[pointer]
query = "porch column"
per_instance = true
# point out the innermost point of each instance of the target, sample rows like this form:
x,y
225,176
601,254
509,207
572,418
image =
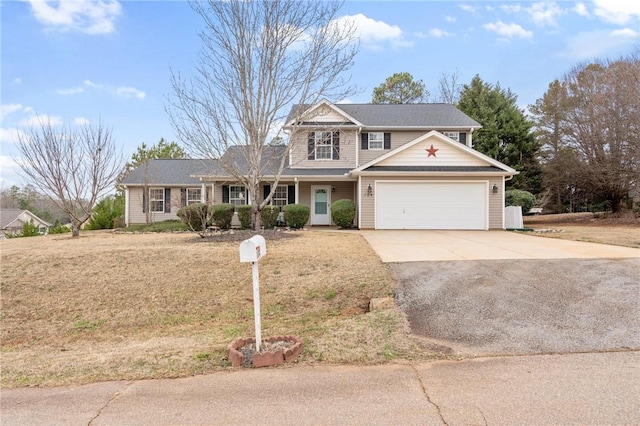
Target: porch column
x,y
213,193
126,206
203,193
295,180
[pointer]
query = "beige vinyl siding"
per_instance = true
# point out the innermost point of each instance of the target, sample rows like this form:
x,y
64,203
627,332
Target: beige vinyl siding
x,y
446,155
397,140
348,146
495,200
136,213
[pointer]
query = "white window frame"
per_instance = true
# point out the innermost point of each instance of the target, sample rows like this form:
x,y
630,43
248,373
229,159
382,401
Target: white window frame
x,y
452,135
191,199
235,192
154,202
278,199
378,141
321,140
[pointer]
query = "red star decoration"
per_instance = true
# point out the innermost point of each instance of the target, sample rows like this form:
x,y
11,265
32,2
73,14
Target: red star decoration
x,y
431,151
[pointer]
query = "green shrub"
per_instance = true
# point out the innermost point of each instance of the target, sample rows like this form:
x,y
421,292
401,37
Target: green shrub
x,y
517,197
343,212
105,213
244,216
29,229
222,215
59,228
195,216
269,216
296,215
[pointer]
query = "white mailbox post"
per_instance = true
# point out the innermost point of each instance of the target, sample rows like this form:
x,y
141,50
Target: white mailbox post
x,y
252,250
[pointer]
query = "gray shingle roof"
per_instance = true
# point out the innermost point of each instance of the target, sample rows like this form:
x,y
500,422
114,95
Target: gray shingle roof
x,y
171,172
405,115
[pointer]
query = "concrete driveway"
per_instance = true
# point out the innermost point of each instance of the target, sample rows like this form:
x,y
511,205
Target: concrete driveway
x,y
488,293
427,246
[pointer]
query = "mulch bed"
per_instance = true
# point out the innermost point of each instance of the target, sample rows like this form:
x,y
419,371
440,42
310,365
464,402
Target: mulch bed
x,y
238,235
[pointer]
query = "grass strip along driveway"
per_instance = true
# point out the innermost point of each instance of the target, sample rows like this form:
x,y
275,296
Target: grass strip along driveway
x,y
109,306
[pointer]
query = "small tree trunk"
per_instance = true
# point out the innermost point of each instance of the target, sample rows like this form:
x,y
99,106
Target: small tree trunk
x,y
75,228
256,219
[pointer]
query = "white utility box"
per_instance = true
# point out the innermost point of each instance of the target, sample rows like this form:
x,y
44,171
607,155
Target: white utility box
x,y
253,249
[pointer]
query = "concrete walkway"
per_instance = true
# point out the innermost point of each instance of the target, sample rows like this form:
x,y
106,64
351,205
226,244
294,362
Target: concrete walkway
x,y
425,246
585,389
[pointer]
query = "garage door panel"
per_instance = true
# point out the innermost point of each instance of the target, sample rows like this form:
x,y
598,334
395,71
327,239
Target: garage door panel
x,y
431,205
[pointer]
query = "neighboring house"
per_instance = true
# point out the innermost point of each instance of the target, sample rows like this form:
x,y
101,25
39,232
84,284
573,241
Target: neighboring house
x,y
12,221
408,166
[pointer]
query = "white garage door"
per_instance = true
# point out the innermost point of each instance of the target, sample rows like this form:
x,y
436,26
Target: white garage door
x,y
431,205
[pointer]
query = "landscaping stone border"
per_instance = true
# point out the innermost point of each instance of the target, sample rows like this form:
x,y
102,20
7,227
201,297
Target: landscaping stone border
x,y
265,359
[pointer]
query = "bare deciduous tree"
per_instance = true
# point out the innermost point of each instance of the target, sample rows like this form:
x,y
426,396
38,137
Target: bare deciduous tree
x,y
449,88
258,59
73,167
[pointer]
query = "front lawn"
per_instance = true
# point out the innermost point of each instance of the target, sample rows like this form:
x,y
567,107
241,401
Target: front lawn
x,y
108,306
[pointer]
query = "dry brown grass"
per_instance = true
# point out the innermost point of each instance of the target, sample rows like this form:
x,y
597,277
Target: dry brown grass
x,y
620,231
111,306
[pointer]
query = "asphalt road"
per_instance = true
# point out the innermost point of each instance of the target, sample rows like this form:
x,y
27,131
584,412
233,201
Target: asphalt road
x,y
489,307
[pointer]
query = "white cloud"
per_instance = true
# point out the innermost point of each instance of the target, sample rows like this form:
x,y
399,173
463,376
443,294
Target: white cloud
x,y
7,109
373,34
16,81
508,30
450,19
438,33
581,9
545,13
10,135
625,33
617,11
90,83
81,121
122,91
511,8
86,16
37,120
598,44
72,91
468,8
129,92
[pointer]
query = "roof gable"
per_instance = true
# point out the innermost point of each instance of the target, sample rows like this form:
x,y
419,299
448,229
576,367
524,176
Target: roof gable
x,y
435,150
323,112
13,217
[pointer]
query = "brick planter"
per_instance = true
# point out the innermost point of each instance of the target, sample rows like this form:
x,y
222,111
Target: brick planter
x,y
265,359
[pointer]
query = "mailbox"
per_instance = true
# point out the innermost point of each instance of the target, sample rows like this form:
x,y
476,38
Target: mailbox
x,y
253,249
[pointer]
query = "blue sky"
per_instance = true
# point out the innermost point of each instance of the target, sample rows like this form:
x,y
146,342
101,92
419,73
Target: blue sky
x,y
78,61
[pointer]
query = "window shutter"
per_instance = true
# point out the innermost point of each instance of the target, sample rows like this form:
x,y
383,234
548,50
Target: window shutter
x,y
265,191
311,146
387,141
145,200
291,194
336,145
183,197
463,138
364,141
167,200
225,193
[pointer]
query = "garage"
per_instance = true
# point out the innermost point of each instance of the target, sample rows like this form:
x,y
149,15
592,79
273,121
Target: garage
x,y
431,205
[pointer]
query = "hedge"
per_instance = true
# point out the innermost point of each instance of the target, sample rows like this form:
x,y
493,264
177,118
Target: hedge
x,y
296,215
343,212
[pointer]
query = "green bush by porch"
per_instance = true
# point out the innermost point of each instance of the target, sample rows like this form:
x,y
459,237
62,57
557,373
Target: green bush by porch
x,y
296,215
343,212
244,216
222,215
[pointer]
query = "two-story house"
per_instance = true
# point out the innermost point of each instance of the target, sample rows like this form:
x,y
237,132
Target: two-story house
x,y
409,166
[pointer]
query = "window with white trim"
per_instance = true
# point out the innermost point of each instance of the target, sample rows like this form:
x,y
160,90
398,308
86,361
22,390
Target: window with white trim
x,y
156,200
194,195
453,135
324,145
237,195
376,141
280,196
